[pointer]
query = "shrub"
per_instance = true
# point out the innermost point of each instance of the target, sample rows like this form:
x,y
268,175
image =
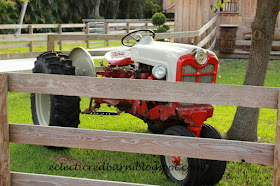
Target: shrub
x,y
166,27
158,19
160,30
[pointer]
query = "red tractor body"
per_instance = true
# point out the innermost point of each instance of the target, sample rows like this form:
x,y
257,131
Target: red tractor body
x,y
163,113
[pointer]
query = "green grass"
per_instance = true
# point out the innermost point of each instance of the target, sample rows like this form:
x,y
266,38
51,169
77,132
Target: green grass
x,y
42,160
65,47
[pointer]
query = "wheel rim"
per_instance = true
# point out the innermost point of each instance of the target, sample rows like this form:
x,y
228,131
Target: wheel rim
x,y
43,108
179,172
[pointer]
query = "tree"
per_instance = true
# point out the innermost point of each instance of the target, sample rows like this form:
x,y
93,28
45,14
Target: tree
x,y
95,11
21,16
244,126
158,19
115,8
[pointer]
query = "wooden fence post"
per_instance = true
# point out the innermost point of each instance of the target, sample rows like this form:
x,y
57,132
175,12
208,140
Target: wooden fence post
x,y
50,43
195,41
30,29
87,32
60,32
208,43
276,175
127,28
107,29
5,175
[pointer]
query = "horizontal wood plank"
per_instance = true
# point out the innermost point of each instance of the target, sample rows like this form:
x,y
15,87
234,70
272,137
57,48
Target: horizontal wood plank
x,y
73,25
207,38
13,46
12,26
208,25
185,92
212,46
248,42
176,34
119,37
27,179
23,37
202,148
88,37
15,26
19,55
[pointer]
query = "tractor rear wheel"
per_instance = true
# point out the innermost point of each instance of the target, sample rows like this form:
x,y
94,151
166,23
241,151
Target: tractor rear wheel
x,y
182,170
55,110
214,169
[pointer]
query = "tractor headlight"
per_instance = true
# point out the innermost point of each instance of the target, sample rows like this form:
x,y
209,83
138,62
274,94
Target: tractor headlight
x,y
159,71
201,57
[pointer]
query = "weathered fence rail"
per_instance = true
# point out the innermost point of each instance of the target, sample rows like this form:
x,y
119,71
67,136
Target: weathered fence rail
x,y
249,96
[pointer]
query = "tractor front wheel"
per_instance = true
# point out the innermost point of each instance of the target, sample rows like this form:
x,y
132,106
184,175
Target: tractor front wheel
x,y
182,170
55,110
214,169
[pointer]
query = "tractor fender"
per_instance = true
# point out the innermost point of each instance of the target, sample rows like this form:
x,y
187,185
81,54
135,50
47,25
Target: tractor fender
x,y
83,62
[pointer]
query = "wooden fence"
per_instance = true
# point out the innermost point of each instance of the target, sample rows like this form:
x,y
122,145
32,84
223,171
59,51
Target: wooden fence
x,y
193,34
110,27
226,150
52,39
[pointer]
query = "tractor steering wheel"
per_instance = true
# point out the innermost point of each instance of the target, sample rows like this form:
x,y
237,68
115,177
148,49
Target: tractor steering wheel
x,y
136,36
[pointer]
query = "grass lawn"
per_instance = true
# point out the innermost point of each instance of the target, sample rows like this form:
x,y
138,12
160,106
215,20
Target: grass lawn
x,y
66,47
41,160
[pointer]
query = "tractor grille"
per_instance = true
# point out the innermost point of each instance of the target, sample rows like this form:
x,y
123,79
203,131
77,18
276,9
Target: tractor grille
x,y
203,78
207,78
193,76
189,69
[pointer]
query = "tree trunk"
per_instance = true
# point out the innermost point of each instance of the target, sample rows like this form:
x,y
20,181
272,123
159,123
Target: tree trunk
x,y
129,3
115,10
95,11
244,126
21,16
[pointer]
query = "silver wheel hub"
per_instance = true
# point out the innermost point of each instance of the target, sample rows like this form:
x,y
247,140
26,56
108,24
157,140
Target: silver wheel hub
x,y
43,108
179,172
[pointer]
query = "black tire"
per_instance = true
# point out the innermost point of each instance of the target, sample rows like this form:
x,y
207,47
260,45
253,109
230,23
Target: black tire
x,y
214,169
190,175
55,110
155,128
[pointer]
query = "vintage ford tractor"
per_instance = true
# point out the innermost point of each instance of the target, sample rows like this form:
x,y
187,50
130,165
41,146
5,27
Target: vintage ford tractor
x,y
143,59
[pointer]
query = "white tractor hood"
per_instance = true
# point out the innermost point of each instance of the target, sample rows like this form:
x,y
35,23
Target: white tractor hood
x,y
151,52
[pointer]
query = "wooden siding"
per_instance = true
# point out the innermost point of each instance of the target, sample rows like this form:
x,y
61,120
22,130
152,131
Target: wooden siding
x,y
191,15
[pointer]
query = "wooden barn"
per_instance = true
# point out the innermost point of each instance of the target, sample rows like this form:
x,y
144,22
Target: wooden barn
x,y
191,15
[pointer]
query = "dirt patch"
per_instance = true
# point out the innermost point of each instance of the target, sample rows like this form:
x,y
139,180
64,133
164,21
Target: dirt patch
x,y
66,160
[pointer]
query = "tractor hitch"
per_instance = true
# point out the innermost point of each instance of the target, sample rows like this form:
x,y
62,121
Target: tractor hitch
x,y
94,112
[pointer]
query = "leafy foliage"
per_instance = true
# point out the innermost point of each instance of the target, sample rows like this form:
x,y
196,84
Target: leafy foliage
x,y
8,12
219,3
158,19
72,11
166,27
160,30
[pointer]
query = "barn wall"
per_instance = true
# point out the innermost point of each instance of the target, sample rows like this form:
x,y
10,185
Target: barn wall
x,y
192,15
244,17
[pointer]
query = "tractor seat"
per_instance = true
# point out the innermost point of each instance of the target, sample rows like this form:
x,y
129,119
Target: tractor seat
x,y
119,58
